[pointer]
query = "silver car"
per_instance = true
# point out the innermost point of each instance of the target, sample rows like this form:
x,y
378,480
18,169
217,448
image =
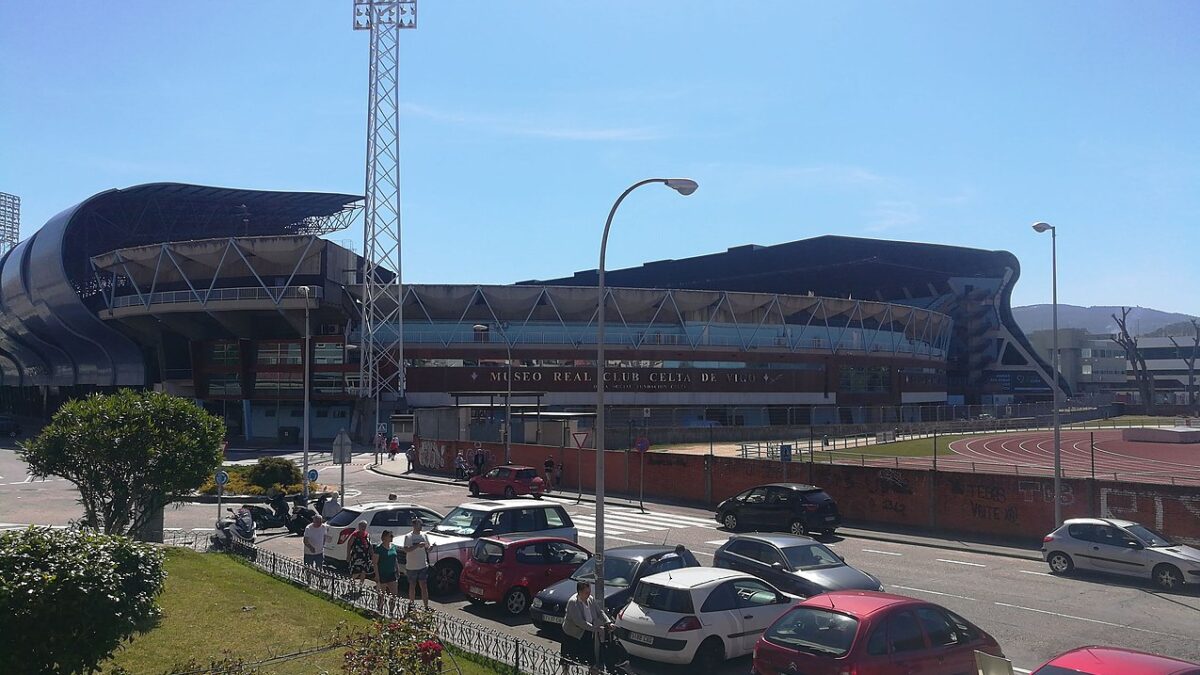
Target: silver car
x,y
1121,547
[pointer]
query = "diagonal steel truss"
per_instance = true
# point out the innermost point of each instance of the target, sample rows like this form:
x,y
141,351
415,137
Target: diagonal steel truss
x,y
382,358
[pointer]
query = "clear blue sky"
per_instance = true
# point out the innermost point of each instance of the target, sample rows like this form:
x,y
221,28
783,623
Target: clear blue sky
x,y
957,123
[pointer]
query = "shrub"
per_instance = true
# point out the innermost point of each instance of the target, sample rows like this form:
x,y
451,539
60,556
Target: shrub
x,y
270,471
407,645
69,598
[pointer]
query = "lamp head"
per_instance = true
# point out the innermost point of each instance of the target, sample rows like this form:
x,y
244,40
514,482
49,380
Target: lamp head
x,y
479,328
1042,227
684,186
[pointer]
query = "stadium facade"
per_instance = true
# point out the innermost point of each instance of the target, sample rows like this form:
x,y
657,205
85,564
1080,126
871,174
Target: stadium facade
x,y
203,292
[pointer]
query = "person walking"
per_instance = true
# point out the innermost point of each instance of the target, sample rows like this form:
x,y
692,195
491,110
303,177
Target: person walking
x,y
416,562
460,466
314,542
358,554
393,448
549,466
479,459
386,558
411,455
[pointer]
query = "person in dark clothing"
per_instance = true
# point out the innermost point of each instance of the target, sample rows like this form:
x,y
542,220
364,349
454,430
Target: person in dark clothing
x,y
549,466
479,460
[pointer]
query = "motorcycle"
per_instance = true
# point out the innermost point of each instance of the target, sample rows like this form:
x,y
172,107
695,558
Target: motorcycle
x,y
266,519
300,518
239,524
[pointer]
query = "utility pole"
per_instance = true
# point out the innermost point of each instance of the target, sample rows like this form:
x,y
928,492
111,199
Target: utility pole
x,y
381,369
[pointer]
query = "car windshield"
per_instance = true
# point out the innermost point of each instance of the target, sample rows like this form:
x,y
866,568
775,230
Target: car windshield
x,y
814,630
1149,536
663,598
618,572
461,521
808,556
344,518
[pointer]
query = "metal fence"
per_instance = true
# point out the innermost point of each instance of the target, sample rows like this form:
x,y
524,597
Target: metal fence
x,y
520,655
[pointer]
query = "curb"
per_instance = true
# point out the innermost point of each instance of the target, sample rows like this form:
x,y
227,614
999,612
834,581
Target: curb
x,y
871,535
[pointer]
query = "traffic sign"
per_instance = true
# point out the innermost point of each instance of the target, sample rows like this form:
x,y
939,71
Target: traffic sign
x,y
312,474
222,477
342,447
580,438
380,429
785,452
642,444
645,413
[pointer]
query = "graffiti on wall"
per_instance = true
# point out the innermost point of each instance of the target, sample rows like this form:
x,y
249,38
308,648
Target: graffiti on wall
x,y
1033,490
431,454
1132,504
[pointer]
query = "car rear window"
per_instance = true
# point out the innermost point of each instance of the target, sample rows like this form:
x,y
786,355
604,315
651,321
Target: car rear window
x,y
814,630
526,474
488,552
344,518
662,598
817,496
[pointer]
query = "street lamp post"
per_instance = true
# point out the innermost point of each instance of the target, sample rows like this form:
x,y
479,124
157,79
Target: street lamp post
x,y
685,187
507,428
1042,227
306,292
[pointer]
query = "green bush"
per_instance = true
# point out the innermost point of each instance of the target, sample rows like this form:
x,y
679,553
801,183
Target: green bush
x,y
270,471
69,598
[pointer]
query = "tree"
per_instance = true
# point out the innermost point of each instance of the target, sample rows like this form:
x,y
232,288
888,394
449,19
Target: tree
x,y
1141,374
1192,398
69,598
129,453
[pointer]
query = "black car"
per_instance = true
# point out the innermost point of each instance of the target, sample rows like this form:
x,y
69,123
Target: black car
x,y
623,567
797,565
9,427
791,507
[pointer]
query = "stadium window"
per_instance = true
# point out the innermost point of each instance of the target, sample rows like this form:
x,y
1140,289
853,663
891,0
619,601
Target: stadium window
x,y
865,379
223,354
327,383
279,354
340,413
329,354
1087,369
224,384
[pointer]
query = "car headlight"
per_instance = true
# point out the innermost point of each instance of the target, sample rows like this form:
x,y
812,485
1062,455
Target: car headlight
x,y
537,602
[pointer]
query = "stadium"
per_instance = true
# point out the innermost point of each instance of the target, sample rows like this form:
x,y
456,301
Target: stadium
x,y
205,292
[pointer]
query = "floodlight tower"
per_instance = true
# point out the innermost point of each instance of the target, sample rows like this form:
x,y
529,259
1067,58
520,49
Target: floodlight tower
x,y
382,350
10,221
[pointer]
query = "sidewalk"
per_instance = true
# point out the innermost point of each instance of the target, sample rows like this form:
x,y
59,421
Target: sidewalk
x,y
397,469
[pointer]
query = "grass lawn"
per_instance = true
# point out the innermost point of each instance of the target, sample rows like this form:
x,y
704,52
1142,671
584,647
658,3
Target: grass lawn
x,y
1127,420
202,614
917,447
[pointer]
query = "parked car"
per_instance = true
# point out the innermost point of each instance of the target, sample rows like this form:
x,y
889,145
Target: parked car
x,y
1121,547
623,567
453,539
509,481
698,615
511,570
797,565
869,632
380,516
9,427
1114,661
791,507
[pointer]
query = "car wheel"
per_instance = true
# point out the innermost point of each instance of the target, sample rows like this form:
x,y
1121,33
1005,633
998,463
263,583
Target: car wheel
x,y
445,578
1060,563
710,655
474,490
1168,577
509,492
516,601
797,527
731,522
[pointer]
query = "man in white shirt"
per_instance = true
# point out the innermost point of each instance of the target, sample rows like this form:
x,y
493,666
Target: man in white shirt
x,y
416,562
331,507
314,542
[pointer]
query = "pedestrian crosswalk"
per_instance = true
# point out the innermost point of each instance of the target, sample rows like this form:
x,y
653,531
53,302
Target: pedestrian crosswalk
x,y
619,522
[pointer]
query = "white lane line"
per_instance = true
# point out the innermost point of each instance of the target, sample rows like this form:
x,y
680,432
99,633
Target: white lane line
x,y
871,550
1040,574
1084,618
28,479
606,538
948,595
702,553
592,530
717,542
961,562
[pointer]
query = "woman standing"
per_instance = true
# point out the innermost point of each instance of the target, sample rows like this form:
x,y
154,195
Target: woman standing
x,y
358,552
386,559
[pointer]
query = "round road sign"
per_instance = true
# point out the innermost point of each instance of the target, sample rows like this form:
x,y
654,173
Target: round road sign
x,y
312,474
642,444
222,478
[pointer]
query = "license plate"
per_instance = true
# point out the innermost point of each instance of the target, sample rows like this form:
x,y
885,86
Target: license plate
x,y
830,519
554,619
644,639
475,590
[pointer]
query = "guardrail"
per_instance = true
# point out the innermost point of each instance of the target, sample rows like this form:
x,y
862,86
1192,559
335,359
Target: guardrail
x,y
520,655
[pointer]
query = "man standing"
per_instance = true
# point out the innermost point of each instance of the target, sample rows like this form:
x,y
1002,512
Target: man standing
x,y
549,466
314,542
331,507
585,620
479,459
416,565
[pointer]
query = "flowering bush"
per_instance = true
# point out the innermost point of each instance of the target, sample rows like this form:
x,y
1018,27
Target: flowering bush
x,y
407,645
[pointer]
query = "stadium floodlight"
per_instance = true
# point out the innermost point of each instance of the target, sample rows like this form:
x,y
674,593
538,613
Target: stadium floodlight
x,y
684,186
10,221
1041,227
381,366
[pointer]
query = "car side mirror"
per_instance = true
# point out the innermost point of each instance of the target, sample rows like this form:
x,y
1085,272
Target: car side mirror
x,y
1137,546
777,566
487,533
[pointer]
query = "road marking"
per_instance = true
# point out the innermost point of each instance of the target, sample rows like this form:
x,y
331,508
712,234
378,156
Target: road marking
x,y
1021,670
717,542
960,562
1084,618
1041,574
948,595
607,537
871,550
702,553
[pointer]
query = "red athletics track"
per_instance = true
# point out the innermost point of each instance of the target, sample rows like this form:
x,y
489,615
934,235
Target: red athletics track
x,y
1177,463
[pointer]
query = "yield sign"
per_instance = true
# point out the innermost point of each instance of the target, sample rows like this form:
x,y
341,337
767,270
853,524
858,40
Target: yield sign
x,y
580,438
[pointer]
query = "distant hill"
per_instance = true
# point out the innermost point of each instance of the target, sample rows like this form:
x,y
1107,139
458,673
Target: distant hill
x,y
1181,329
1098,320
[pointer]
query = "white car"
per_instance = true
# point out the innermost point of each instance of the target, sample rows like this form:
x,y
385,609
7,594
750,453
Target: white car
x,y
1121,547
699,615
380,516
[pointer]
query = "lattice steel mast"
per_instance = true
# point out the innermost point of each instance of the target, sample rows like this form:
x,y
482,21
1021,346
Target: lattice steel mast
x,y
10,221
382,356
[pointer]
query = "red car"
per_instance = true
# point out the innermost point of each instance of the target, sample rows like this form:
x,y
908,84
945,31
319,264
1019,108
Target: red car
x,y
1114,661
511,570
869,633
509,480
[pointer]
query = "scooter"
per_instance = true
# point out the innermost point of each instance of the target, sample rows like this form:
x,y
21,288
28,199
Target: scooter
x,y
266,519
300,518
240,525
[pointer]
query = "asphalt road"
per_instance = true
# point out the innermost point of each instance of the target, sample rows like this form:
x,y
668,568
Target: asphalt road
x,y
1032,614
